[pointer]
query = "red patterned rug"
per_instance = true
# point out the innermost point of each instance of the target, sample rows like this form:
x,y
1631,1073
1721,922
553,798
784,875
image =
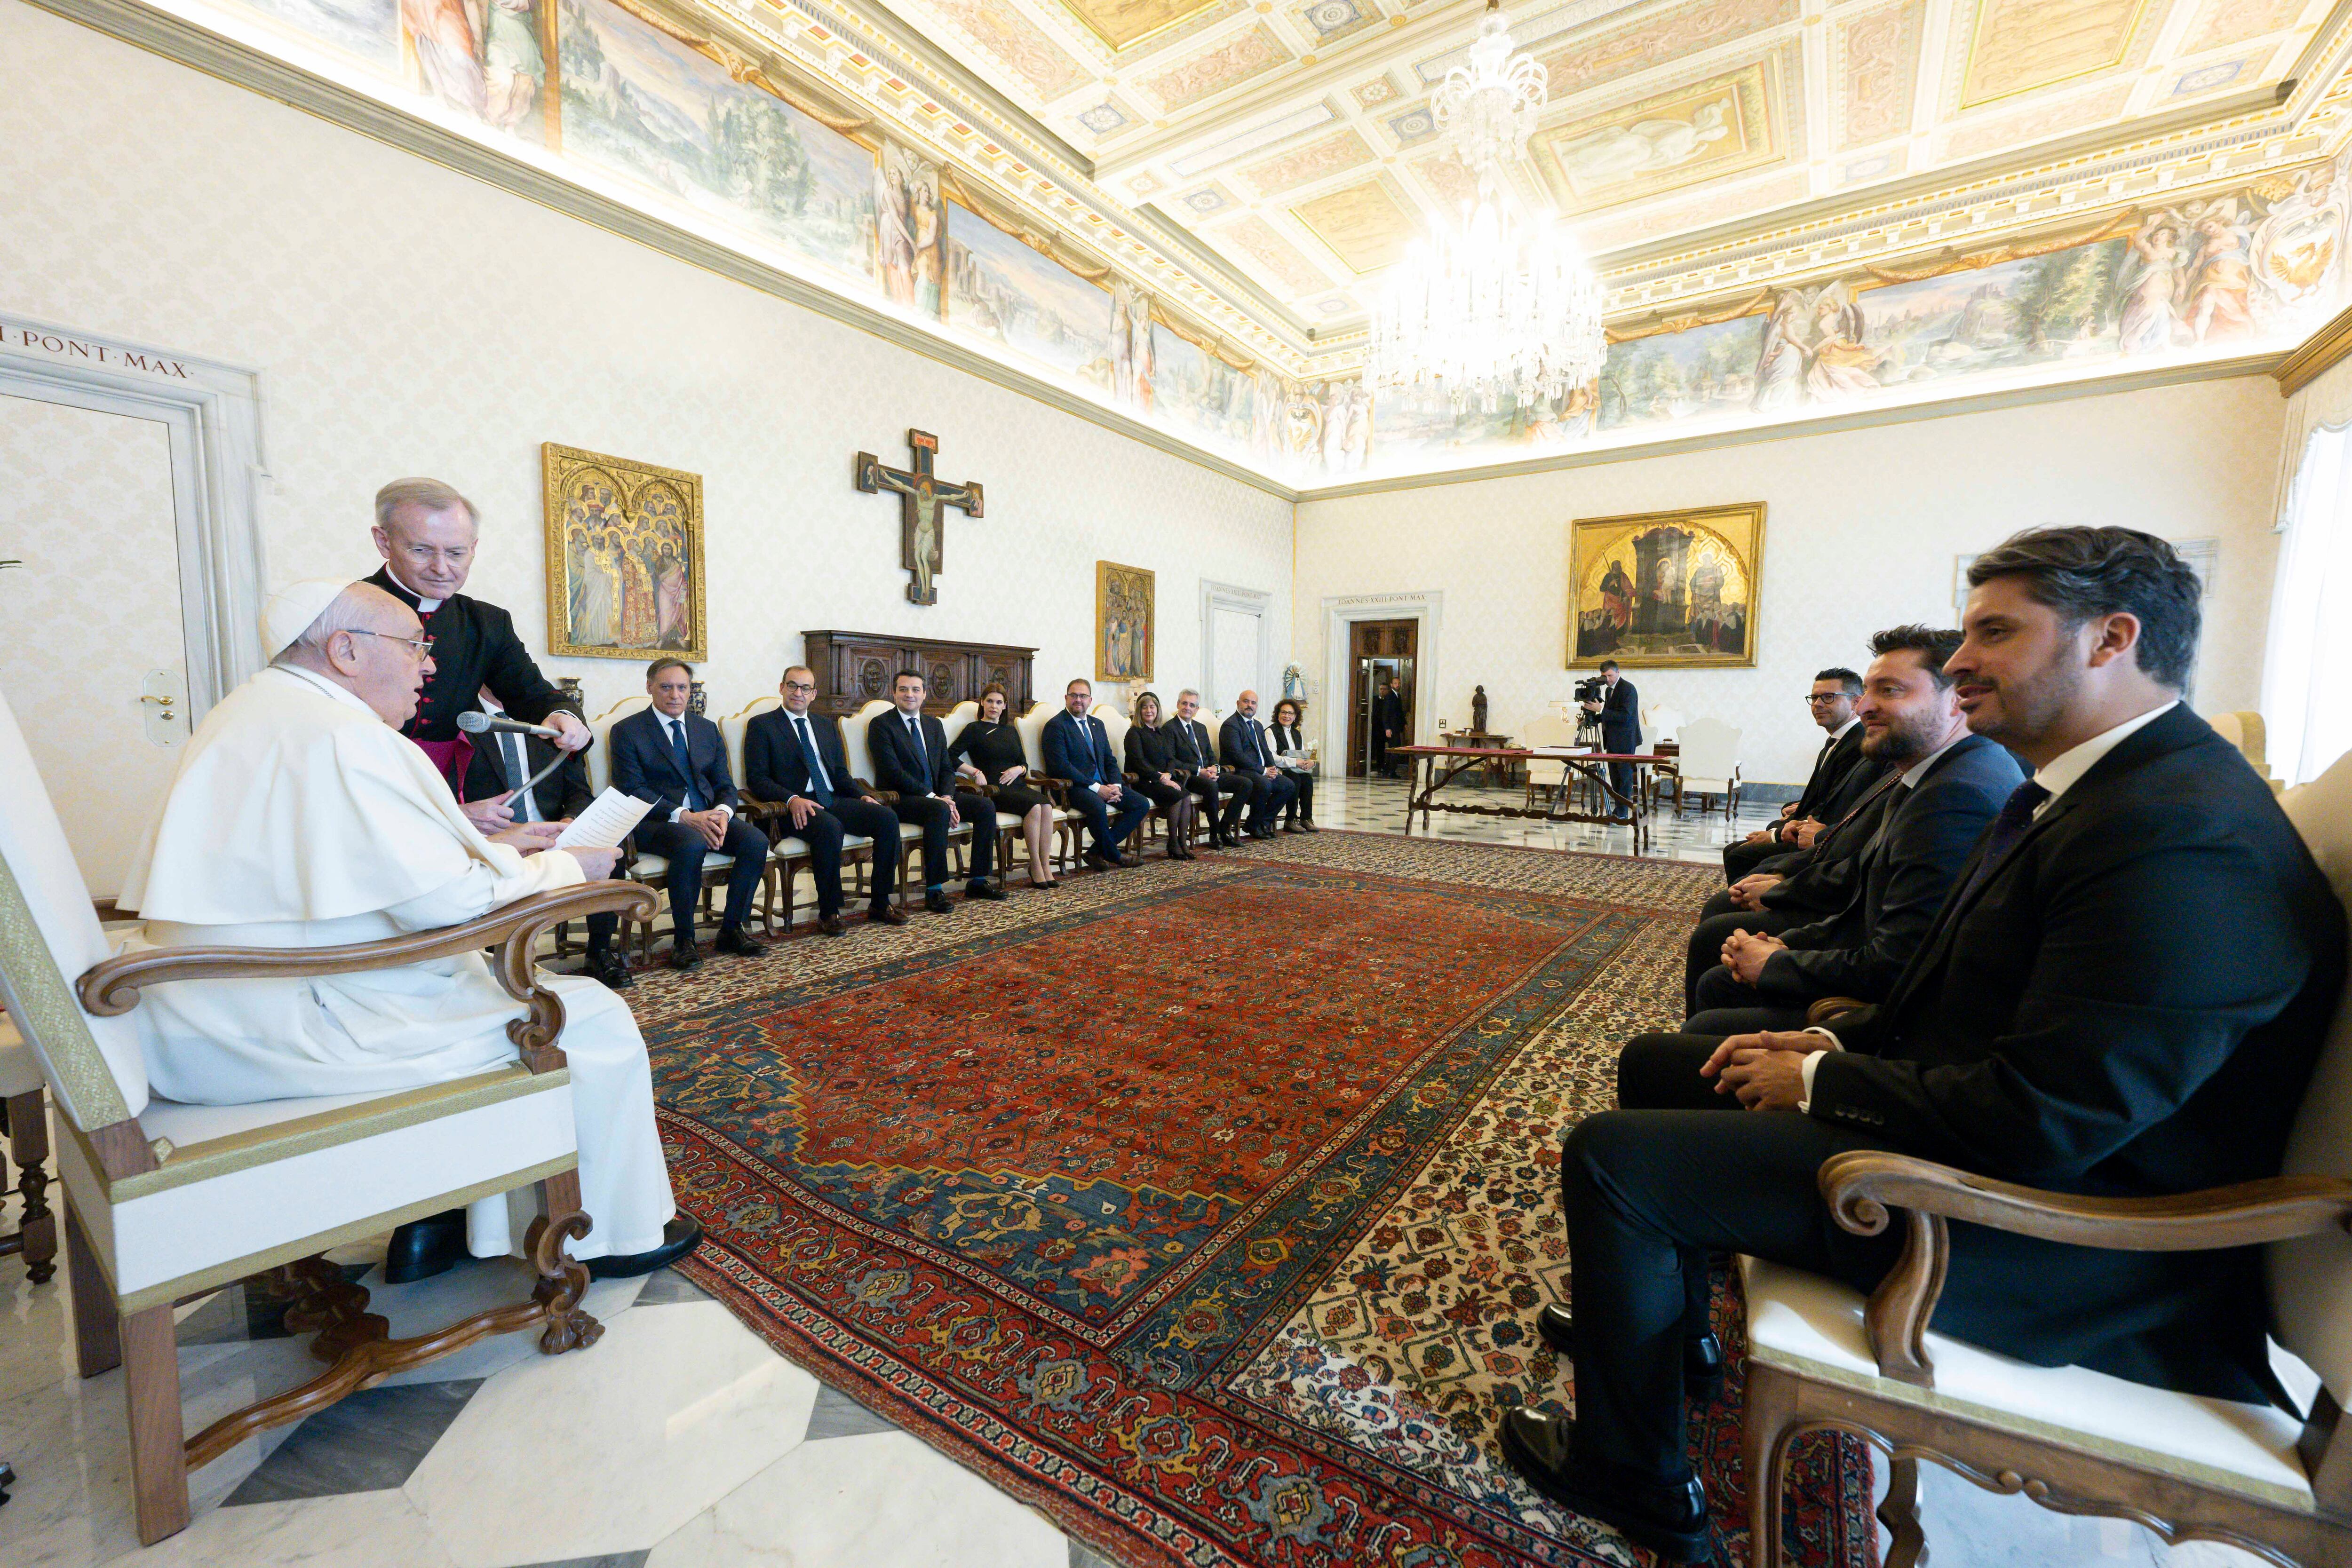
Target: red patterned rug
x,y
1205,1207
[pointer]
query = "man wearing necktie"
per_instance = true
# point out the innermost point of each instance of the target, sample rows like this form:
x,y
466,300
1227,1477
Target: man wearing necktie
x,y
910,760
676,760
1077,747
1196,751
794,761
1242,746
2125,996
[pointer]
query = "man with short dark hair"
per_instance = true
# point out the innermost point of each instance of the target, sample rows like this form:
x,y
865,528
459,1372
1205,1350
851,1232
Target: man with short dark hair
x,y
1620,712
1078,748
910,748
793,759
1950,785
1242,746
2124,996
1839,778
1390,726
678,760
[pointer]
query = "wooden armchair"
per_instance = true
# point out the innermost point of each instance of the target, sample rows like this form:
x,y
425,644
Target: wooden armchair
x,y
1030,727
164,1201
2073,1440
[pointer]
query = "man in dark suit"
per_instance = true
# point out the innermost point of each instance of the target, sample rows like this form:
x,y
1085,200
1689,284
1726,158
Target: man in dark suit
x,y
1389,725
1951,785
793,759
2124,996
1242,746
1078,748
1836,782
678,760
1198,753
502,763
1619,708
910,760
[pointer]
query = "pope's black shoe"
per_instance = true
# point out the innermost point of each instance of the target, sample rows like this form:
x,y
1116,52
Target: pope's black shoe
x,y
681,1236
1702,1355
423,1248
1668,1520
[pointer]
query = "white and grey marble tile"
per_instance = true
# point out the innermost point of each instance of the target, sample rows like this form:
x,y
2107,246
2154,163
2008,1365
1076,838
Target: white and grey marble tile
x,y
668,1286
836,1414
369,1441
876,1501
359,1530
612,1448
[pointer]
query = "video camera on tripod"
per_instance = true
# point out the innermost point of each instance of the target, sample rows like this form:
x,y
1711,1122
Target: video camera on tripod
x,y
1592,689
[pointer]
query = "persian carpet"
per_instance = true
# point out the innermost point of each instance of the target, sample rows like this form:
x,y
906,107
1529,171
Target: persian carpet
x,y
1205,1207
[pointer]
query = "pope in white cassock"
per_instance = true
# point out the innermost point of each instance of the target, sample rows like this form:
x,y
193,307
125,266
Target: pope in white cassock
x,y
298,817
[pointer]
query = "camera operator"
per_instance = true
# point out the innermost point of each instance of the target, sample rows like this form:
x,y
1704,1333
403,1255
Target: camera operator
x,y
1618,706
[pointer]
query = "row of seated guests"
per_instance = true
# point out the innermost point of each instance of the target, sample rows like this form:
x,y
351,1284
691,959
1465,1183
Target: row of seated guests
x,y
2110,978
794,760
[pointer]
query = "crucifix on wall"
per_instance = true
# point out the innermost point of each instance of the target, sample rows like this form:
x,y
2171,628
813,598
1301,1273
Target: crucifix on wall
x,y
920,496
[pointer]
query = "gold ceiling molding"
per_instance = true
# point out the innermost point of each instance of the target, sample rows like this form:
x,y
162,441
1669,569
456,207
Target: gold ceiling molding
x,y
788,86
2326,349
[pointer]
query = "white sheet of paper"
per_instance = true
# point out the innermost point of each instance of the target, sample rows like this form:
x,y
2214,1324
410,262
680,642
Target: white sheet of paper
x,y
605,822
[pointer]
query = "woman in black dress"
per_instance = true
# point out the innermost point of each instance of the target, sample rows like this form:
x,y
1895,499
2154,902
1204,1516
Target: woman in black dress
x,y
1151,764
987,752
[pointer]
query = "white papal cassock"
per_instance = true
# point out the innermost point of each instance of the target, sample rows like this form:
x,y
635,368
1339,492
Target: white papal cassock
x,y
299,819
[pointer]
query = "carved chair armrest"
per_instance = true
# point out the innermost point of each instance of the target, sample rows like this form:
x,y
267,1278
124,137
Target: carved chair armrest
x,y
883,796
1863,1185
111,986
1057,789
757,811
1828,1007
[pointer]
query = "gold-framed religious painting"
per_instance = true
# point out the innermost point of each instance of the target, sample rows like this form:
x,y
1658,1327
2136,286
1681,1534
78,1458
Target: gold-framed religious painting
x,y
625,567
1126,616
1666,590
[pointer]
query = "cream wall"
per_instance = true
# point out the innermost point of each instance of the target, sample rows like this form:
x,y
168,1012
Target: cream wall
x,y
1862,529
411,320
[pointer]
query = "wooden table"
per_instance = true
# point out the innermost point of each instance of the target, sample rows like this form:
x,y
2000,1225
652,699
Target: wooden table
x,y
1501,772
1446,763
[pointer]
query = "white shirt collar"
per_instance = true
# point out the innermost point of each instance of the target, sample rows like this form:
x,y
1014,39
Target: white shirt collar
x,y
1918,770
427,606
1838,733
341,694
2063,771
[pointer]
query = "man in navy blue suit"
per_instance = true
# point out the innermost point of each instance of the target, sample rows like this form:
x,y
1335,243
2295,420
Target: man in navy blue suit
x,y
1620,712
1077,747
1242,745
793,759
910,759
678,760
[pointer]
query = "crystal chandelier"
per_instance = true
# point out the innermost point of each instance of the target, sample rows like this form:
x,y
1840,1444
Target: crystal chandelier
x,y
1500,303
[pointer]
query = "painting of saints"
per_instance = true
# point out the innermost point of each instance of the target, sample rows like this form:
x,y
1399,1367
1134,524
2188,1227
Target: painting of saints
x,y
446,52
2153,286
1617,600
576,556
1664,589
894,252
512,67
597,623
1705,601
931,250
638,616
1123,610
670,630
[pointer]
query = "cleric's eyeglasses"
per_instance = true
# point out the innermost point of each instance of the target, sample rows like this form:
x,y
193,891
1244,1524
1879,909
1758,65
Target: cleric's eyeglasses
x,y
421,646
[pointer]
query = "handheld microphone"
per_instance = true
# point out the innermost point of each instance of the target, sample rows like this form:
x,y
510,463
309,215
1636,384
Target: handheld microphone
x,y
480,723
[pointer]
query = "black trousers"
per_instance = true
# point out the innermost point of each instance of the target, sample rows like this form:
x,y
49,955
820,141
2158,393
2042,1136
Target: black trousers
x,y
1624,778
930,813
601,926
1715,928
1266,805
1743,859
1110,834
1238,788
825,829
684,849
1649,1193
1302,804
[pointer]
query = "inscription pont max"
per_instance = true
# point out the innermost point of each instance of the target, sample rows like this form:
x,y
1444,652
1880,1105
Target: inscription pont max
x,y
65,348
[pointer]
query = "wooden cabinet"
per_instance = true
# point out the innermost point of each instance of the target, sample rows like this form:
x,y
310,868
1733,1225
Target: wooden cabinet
x,y
854,668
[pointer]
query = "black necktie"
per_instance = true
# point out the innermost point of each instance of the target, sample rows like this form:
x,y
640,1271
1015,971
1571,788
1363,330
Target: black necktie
x,y
518,775
824,785
685,762
2016,816
922,758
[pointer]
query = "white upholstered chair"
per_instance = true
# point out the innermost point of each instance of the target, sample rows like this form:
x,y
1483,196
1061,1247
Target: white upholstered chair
x,y
645,870
1710,763
861,767
2075,1440
164,1201
1030,727
36,1236
2244,730
786,853
1547,775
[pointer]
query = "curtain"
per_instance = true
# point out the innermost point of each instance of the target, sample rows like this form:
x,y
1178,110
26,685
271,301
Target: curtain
x,y
2307,662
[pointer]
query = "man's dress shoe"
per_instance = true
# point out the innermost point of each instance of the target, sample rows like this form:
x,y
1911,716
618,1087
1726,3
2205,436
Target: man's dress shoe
x,y
986,892
736,940
423,1248
937,903
1702,1354
1668,1520
609,970
831,926
1098,861
681,1236
886,915
685,955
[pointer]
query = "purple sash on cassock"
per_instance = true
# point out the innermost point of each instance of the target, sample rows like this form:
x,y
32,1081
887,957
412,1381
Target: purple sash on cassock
x,y
450,758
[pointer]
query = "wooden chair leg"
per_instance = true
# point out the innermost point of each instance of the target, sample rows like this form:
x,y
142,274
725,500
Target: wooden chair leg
x,y
1900,1514
1765,1447
562,1282
97,1328
28,1136
150,1382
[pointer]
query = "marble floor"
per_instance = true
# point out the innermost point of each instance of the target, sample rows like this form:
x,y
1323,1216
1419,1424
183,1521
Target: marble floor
x,y
680,1441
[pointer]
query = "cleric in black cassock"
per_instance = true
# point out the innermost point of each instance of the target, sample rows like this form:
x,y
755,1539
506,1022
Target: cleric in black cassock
x,y
425,532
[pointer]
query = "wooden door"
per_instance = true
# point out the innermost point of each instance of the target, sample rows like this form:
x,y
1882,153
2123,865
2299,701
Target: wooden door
x,y
1378,652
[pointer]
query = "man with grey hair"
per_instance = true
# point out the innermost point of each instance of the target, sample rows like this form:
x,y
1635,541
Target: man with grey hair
x,y
427,533
297,817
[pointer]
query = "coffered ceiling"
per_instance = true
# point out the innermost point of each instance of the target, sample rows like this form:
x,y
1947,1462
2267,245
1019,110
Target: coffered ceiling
x,y
1288,145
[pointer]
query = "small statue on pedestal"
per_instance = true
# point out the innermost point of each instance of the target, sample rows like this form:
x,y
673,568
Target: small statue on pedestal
x,y
1479,711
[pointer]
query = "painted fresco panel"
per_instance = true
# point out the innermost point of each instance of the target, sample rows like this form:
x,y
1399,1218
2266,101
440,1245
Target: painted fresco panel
x,y
1007,293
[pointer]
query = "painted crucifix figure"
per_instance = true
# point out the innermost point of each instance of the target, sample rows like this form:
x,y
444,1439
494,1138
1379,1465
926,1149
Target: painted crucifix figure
x,y
920,496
